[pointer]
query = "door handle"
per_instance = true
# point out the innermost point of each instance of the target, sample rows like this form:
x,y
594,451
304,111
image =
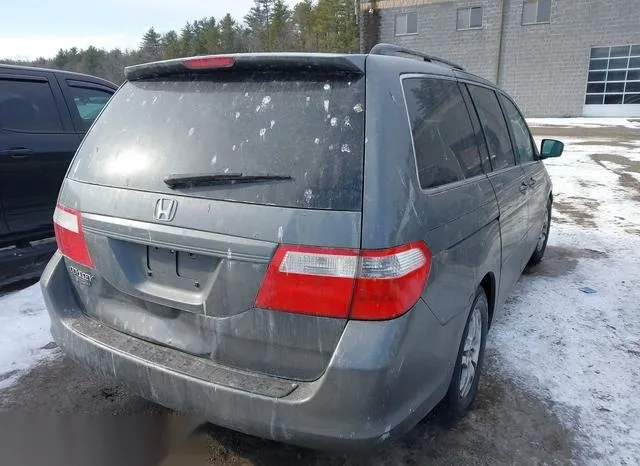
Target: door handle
x,y
16,152
532,181
523,187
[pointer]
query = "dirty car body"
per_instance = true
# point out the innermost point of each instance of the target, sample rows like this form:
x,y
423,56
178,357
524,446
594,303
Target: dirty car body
x,y
322,302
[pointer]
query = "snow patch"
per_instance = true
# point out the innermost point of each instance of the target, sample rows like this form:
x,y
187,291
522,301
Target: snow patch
x,y
582,351
583,122
24,330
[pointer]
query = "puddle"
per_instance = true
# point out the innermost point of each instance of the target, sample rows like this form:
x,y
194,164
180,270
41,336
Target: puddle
x,y
560,261
610,142
630,182
625,179
579,211
629,165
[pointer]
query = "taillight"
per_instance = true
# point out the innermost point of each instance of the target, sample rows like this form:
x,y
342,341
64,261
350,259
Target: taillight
x,y
70,235
210,62
365,285
390,281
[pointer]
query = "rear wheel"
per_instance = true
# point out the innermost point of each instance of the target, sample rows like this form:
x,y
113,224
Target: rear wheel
x,y
466,374
543,237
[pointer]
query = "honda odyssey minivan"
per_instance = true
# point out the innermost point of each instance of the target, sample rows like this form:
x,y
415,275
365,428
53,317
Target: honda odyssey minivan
x,y
309,248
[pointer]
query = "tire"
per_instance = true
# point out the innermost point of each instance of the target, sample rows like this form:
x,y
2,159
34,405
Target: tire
x,y
541,246
462,391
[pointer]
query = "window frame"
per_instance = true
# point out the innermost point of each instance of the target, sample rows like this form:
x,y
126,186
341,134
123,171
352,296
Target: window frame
x,y
469,9
486,141
537,20
406,24
477,127
453,184
37,78
536,154
609,76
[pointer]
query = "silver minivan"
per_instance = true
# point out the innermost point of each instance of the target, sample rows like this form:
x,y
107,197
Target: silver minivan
x,y
304,247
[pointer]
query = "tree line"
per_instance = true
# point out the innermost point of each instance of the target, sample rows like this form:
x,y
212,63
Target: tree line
x,y
269,26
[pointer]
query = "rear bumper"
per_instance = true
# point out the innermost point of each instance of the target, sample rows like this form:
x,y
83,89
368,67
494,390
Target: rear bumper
x,y
383,378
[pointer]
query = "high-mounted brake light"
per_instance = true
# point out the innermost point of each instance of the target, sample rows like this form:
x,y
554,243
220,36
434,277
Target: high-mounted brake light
x,y
211,62
67,225
365,285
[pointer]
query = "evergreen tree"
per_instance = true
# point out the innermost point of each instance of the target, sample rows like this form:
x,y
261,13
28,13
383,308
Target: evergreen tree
x,y
170,45
312,26
229,35
151,45
303,30
258,22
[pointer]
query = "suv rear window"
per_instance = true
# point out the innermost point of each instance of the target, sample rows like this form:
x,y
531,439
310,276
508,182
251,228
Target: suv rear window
x,y
308,127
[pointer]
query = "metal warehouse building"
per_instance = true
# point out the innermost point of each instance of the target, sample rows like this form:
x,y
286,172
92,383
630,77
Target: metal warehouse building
x,y
555,57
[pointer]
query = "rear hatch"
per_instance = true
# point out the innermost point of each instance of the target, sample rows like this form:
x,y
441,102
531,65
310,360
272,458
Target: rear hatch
x,y
187,183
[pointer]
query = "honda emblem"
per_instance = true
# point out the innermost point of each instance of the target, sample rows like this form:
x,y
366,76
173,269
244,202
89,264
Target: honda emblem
x,y
165,210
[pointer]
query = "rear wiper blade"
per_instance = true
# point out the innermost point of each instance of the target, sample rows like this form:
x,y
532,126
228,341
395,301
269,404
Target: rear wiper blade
x,y
212,179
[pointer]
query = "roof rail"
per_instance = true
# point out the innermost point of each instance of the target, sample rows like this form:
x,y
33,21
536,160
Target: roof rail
x,y
393,50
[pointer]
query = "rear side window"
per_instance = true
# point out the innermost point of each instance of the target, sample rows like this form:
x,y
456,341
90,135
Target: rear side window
x,y
89,102
520,132
28,106
308,127
444,140
494,126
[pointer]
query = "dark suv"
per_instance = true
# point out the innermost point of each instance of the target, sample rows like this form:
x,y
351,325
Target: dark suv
x,y
44,115
304,247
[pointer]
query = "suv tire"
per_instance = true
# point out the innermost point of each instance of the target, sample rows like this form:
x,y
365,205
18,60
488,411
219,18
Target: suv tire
x,y
541,245
466,374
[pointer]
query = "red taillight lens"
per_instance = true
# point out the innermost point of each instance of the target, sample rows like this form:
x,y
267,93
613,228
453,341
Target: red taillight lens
x,y
317,281
390,281
70,236
210,62
367,285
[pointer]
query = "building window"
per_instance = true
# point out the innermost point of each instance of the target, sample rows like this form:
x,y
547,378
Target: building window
x,y
469,18
614,75
536,11
407,23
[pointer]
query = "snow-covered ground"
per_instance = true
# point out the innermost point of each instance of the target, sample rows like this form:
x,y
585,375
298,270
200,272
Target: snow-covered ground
x,y
584,122
24,331
578,351
582,351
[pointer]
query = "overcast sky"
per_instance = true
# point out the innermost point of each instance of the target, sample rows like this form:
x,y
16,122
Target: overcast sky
x,y
34,28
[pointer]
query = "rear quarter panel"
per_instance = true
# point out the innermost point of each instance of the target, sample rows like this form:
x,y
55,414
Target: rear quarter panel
x,y
459,222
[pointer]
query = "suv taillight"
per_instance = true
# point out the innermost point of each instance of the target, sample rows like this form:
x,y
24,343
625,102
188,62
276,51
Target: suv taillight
x,y
364,285
70,235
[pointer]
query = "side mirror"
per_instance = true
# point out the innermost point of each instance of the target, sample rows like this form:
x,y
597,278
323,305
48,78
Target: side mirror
x,y
551,148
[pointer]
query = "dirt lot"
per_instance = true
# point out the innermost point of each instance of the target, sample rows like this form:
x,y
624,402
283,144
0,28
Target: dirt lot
x,y
509,424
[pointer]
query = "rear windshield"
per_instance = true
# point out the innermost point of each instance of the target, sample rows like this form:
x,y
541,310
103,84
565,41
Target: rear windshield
x,y
310,128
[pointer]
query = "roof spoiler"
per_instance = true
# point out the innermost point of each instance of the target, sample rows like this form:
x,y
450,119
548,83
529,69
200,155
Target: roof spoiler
x,y
341,63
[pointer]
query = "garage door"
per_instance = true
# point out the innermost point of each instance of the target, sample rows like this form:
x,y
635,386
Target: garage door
x,y
613,85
